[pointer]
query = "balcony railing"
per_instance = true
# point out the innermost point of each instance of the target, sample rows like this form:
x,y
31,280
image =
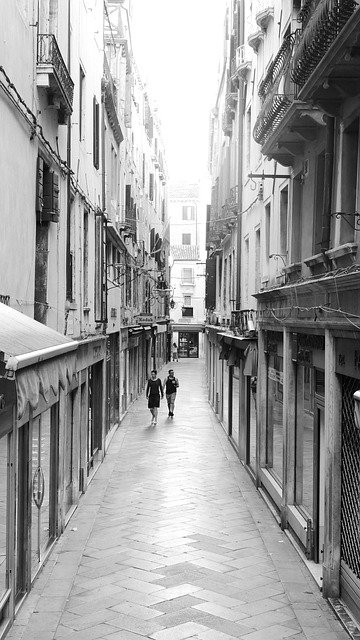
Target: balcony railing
x,y
270,116
110,101
278,66
322,23
50,60
244,321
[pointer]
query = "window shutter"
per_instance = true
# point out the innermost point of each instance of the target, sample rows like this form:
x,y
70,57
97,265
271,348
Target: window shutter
x,y
39,184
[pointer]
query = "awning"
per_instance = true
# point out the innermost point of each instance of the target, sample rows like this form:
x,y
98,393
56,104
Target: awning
x,y
39,357
186,328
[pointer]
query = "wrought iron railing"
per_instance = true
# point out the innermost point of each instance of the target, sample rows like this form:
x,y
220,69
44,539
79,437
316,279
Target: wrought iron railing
x,y
4,299
271,114
278,66
322,23
48,53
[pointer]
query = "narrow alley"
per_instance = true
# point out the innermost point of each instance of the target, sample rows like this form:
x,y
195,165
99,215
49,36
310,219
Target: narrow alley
x,y
172,541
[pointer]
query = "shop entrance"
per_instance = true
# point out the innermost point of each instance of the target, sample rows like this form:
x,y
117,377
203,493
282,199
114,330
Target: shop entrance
x,y
188,344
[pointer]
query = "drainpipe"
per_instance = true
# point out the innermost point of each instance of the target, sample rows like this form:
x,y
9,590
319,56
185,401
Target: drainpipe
x,y
328,178
69,292
240,168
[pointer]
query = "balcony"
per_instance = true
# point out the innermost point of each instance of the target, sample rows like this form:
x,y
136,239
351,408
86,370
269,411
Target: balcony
x,y
284,123
52,74
109,92
244,322
243,61
326,65
264,13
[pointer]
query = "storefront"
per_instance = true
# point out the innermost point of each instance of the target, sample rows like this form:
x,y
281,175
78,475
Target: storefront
x,y
38,367
112,380
348,372
189,339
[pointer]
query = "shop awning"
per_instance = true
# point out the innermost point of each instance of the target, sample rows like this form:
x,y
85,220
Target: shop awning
x,y
39,357
195,328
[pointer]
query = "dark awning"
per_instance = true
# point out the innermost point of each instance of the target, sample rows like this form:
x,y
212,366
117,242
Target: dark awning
x,y
38,357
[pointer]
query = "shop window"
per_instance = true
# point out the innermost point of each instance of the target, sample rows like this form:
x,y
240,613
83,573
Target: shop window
x,y
304,442
3,512
274,431
43,477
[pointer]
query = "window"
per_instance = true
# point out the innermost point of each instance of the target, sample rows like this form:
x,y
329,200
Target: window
x,y
187,301
86,259
187,276
151,187
248,137
283,221
81,103
186,238
96,132
267,230
187,312
257,260
319,200
114,175
188,213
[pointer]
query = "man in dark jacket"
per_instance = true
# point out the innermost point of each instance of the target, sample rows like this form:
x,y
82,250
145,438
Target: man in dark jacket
x,y
171,385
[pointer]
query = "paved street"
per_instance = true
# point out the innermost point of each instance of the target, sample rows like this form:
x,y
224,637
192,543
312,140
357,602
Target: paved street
x,y
172,541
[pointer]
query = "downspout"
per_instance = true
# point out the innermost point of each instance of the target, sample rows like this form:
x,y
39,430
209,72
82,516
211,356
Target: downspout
x,y
328,179
69,291
240,168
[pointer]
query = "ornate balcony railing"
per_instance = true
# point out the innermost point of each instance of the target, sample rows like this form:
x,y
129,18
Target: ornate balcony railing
x,y
278,66
322,22
109,91
273,111
48,54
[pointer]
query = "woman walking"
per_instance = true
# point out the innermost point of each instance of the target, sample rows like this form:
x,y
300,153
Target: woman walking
x,y
153,390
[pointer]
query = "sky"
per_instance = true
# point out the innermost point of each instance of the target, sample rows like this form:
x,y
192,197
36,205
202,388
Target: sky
x,y
177,46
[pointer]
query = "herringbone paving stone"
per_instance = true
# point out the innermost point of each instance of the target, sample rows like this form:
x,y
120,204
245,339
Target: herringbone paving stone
x,y
172,541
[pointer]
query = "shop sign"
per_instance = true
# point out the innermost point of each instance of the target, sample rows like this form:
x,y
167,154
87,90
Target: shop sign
x,y
275,375
347,353
144,318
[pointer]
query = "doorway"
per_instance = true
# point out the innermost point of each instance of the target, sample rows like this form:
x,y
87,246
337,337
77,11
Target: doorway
x,y
188,344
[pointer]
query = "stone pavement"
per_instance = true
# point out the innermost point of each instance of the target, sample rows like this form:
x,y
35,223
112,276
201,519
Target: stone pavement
x,y
172,541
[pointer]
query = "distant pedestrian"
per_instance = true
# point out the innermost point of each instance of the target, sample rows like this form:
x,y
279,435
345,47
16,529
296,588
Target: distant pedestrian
x,y
175,355
153,390
171,384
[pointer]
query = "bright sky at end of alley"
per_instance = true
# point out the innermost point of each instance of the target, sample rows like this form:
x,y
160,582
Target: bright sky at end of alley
x,y
177,48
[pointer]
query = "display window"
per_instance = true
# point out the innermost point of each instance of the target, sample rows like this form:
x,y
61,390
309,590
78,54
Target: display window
x,y
275,425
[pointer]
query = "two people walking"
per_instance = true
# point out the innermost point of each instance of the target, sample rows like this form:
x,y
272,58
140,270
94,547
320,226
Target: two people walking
x,y
155,389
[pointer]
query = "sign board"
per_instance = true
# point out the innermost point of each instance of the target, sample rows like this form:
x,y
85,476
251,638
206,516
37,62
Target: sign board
x,y
276,375
145,318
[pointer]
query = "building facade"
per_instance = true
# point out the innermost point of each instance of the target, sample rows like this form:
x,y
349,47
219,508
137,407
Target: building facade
x,y
284,372
187,214
84,310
